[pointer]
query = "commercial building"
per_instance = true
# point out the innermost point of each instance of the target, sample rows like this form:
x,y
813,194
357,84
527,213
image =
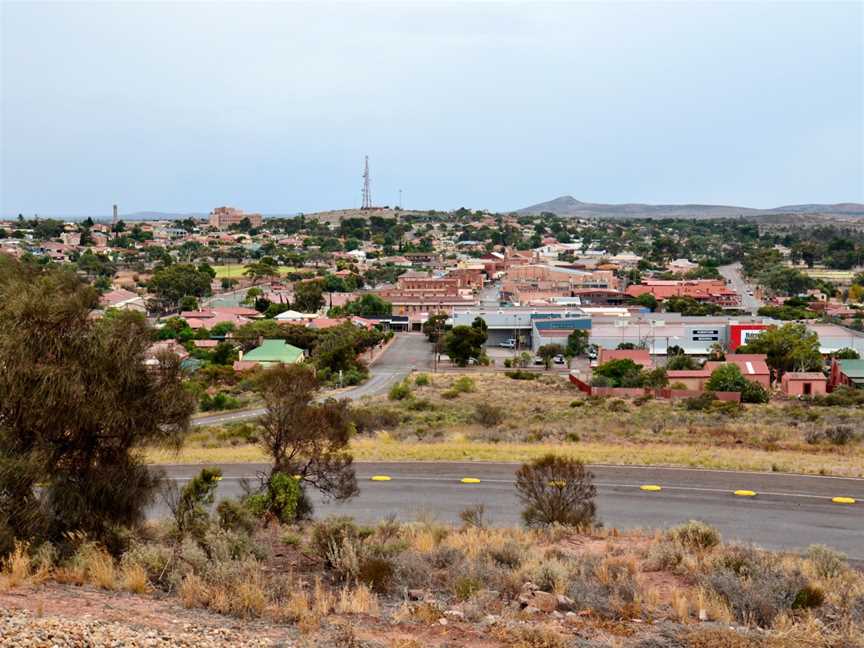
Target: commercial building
x,y
224,217
712,291
847,373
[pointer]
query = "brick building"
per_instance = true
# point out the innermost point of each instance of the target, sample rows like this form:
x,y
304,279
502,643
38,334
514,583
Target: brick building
x,y
224,217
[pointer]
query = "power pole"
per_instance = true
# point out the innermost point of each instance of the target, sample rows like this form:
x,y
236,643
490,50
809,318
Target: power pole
x,y
367,186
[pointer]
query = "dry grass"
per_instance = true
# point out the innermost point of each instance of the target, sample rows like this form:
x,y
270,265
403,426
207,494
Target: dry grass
x,y
357,600
17,566
134,578
538,418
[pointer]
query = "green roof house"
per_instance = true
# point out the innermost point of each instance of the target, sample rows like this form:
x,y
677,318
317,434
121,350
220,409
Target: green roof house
x,y
269,353
847,372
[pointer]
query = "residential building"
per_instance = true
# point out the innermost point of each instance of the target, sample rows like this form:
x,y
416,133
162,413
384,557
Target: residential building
x,y
268,354
804,383
848,373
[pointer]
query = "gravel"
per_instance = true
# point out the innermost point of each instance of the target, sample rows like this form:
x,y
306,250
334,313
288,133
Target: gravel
x,y
22,629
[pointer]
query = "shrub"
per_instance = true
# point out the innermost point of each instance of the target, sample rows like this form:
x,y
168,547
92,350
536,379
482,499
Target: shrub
x,y
399,391
190,506
450,394
474,516
753,392
376,572
522,375
233,516
422,380
465,587
699,403
218,402
280,498
617,405
488,415
464,385
556,489
840,434
760,589
826,562
695,535
371,419
333,532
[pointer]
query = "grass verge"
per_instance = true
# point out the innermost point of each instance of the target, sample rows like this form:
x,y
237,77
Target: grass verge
x,y
384,449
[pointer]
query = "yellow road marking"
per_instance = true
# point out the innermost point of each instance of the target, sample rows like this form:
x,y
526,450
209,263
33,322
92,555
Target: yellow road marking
x,y
745,493
380,478
470,480
651,487
843,500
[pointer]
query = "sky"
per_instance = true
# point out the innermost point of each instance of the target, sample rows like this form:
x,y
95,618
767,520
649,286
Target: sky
x,y
271,107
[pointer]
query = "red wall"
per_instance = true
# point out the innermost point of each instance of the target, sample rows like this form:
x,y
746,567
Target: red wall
x,y
736,331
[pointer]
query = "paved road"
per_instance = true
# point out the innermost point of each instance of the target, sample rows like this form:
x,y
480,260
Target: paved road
x,y
732,273
789,512
408,351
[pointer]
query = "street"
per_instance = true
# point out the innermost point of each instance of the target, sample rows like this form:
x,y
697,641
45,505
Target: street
x,y
732,273
788,512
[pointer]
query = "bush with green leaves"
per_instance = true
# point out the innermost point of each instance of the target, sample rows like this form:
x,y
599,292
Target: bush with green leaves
x,y
522,375
464,385
827,563
279,498
190,507
421,380
399,391
488,415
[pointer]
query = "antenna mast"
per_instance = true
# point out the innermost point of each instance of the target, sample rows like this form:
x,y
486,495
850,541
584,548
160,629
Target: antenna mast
x,y
367,186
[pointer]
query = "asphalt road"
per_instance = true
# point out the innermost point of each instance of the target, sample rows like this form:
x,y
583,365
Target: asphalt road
x,y
789,512
732,273
408,351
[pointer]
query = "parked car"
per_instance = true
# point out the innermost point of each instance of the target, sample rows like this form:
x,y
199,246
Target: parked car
x,y
509,343
559,359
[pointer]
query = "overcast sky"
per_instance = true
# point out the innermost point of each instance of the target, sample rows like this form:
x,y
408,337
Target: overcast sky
x,y
271,107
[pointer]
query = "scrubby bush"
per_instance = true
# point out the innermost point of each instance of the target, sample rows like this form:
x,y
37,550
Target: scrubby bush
x,y
556,490
488,415
422,380
695,535
399,391
464,385
279,498
826,562
700,402
839,434
190,506
522,375
218,402
333,532
757,587
372,418
474,516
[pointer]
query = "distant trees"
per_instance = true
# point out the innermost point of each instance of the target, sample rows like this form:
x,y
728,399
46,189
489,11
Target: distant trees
x,y
577,344
172,283
464,343
548,351
728,378
308,296
790,347
364,306
76,401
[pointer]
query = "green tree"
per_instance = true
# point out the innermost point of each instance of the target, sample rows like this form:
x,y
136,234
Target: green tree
x,y
365,306
260,270
728,378
305,438
463,343
647,300
308,296
77,402
620,373
433,327
556,490
790,347
172,283
577,345
549,351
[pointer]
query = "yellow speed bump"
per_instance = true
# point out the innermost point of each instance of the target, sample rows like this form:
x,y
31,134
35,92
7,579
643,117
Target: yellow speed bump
x,y
745,493
298,477
380,478
651,487
470,480
843,500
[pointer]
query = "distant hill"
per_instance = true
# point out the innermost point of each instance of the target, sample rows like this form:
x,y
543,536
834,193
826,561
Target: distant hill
x,y
569,206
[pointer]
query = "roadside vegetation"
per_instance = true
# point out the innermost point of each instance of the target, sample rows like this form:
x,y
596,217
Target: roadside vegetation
x,y
499,417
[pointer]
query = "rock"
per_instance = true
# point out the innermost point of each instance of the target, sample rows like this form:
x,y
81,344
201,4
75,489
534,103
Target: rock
x,y
565,603
416,594
454,615
443,621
